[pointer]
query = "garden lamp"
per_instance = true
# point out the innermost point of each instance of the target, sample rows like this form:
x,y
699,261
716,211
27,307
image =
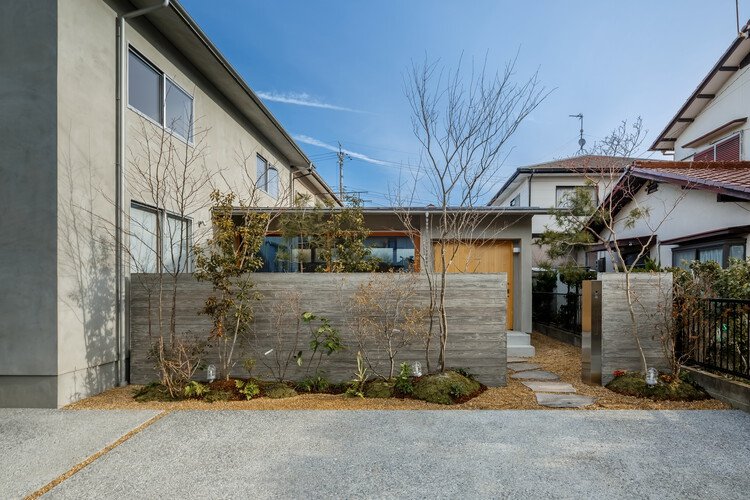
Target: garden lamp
x,y
651,375
210,373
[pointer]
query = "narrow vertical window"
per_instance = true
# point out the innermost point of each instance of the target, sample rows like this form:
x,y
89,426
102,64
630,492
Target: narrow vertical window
x,y
144,87
144,239
179,111
261,172
272,182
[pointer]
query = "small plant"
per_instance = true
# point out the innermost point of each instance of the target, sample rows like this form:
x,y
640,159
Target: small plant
x,y
249,388
195,390
249,365
214,396
403,384
457,391
618,373
318,383
357,386
325,339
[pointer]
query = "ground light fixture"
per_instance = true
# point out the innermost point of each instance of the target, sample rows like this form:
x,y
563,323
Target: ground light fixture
x,y
211,373
651,375
416,369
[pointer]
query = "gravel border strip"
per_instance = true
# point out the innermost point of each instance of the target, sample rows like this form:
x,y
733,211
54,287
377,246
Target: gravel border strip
x,y
88,461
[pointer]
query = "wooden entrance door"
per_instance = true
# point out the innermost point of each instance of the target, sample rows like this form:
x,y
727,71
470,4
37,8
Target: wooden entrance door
x,y
486,256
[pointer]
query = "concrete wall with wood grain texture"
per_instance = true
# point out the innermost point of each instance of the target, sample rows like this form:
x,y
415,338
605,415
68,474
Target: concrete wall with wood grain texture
x,y
475,303
652,294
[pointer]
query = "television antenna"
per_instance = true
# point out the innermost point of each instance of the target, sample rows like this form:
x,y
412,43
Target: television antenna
x,y
581,141
341,156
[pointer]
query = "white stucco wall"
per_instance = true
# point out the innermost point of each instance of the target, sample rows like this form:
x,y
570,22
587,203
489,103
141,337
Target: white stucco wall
x,y
86,182
676,213
731,102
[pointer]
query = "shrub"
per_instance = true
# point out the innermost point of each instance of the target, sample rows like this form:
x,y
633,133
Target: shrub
x,y
279,390
195,390
667,388
153,392
249,388
379,389
318,383
214,396
403,384
445,388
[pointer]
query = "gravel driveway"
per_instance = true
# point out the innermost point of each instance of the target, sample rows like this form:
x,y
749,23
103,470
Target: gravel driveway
x,y
408,454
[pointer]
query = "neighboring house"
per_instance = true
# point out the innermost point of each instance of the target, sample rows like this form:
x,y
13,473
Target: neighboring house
x,y
695,211
546,185
712,124
64,135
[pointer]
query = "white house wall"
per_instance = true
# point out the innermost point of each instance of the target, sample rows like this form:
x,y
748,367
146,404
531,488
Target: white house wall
x,y
698,212
731,102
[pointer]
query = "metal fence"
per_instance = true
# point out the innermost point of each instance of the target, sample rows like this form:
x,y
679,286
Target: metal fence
x,y
715,333
561,310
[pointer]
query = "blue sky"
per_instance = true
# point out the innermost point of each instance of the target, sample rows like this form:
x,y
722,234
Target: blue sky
x,y
333,70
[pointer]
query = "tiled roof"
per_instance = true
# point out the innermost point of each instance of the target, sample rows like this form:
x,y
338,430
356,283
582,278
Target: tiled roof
x,y
723,176
583,162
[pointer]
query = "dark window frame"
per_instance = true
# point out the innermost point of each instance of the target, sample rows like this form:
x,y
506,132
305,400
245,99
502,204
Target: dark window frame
x,y
723,244
162,215
163,77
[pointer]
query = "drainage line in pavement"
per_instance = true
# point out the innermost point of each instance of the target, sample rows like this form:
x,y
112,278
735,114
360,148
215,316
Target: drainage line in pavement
x,y
59,479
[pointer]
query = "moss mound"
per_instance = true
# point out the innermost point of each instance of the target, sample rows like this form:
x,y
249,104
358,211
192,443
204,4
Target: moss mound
x,y
446,388
278,390
378,389
153,392
214,396
667,389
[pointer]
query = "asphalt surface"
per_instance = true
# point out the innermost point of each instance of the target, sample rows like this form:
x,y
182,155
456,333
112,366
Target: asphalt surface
x,y
36,445
397,454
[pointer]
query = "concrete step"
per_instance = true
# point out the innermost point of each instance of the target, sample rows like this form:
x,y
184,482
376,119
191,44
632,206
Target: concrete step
x,y
518,338
563,400
535,375
521,351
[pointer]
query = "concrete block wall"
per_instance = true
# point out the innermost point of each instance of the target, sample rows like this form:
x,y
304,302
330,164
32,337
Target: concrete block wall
x,y
652,294
476,306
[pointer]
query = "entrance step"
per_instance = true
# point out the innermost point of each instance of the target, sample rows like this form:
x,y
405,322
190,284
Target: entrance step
x,y
563,400
550,387
519,344
523,367
535,375
516,359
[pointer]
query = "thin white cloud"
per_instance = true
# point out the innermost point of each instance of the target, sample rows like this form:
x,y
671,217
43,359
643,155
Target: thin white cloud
x,y
306,139
302,99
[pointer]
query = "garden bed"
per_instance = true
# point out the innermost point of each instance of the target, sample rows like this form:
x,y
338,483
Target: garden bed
x,y
560,358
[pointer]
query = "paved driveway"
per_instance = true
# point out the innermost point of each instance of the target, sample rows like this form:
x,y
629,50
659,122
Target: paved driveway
x,y
408,454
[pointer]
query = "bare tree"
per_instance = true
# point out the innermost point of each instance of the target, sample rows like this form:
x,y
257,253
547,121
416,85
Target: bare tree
x,y
384,313
463,124
583,224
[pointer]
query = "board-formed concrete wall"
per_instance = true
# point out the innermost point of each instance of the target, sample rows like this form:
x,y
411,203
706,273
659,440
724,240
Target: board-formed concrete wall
x,y
652,299
475,304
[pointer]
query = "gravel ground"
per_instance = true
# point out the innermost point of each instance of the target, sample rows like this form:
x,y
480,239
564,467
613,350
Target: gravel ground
x,y
552,355
427,454
37,445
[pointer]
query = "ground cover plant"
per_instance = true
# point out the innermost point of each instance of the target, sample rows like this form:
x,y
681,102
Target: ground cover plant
x,y
667,387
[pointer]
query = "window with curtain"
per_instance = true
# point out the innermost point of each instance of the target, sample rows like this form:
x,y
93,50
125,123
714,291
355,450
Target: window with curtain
x,y
272,182
144,239
158,236
261,172
711,254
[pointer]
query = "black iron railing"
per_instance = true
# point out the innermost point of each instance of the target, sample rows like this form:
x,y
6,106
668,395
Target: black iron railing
x,y
561,310
715,333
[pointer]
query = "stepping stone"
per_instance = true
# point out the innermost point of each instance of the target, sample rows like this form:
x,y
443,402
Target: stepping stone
x,y
523,367
516,359
535,375
564,400
549,386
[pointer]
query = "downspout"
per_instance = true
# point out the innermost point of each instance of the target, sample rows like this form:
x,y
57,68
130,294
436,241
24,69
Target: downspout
x,y
120,274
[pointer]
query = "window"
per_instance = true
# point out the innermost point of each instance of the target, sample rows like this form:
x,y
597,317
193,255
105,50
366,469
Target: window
x,y
563,194
715,251
179,109
159,98
726,150
144,87
268,177
515,201
158,236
